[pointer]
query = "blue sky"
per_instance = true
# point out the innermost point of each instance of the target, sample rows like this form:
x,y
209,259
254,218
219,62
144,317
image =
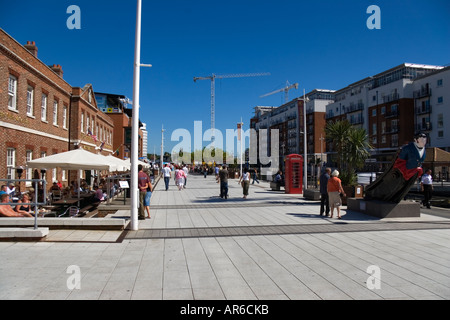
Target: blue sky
x,y
318,44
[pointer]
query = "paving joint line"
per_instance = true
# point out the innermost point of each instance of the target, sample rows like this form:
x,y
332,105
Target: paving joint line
x,y
261,230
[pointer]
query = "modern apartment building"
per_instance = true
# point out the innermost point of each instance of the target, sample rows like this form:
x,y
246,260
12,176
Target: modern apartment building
x,y
385,106
431,95
289,120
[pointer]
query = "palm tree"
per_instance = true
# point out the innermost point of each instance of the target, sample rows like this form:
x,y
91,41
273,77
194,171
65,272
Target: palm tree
x,y
352,146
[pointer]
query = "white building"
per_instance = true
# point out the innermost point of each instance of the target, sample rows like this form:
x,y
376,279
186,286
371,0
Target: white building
x,y
144,140
432,107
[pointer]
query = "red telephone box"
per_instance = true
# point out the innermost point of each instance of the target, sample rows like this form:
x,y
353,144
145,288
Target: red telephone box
x,y
294,174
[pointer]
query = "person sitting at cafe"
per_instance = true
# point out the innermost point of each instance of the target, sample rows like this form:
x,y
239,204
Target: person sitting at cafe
x,y
24,204
7,211
55,187
11,190
4,189
98,196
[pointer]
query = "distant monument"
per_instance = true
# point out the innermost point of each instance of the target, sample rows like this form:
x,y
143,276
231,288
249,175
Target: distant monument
x,y
383,198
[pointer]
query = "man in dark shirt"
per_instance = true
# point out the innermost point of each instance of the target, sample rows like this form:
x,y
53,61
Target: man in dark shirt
x,y
223,177
324,201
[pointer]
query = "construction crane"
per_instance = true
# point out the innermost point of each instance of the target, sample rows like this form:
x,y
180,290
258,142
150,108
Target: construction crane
x,y
213,78
285,89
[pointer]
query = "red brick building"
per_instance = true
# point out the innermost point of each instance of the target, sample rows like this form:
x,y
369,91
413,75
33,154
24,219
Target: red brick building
x,y
41,114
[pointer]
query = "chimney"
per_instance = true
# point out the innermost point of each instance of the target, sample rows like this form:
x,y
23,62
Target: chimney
x,y
57,69
31,46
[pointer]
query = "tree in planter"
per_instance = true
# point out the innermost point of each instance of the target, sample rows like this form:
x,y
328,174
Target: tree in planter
x,y
352,147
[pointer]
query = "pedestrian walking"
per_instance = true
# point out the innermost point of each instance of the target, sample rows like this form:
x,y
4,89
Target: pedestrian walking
x,y
245,182
223,179
143,181
426,184
334,188
186,172
166,174
324,199
255,176
148,197
179,177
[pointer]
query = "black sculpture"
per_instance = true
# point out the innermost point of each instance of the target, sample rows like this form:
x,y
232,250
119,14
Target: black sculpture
x,y
394,184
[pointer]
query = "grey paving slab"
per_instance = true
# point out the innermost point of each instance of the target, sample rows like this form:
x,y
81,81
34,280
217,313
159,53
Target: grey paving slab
x,y
270,246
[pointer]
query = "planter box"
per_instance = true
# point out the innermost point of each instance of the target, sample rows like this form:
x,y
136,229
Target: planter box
x,y
381,209
311,194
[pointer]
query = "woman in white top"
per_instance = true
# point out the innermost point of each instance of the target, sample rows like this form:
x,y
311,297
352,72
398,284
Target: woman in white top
x,y
245,179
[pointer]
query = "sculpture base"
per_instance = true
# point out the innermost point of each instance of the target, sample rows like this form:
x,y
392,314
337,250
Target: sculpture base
x,y
381,209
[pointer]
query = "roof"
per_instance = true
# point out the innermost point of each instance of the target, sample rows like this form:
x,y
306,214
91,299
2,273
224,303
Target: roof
x,y
437,155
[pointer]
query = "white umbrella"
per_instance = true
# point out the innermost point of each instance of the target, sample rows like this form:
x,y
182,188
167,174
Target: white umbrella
x,y
78,159
118,164
144,164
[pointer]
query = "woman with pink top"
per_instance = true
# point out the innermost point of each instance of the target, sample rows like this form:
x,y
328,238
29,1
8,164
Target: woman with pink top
x,y
180,176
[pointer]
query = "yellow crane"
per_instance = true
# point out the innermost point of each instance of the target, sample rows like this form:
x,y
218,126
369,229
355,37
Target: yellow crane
x,y
213,78
285,89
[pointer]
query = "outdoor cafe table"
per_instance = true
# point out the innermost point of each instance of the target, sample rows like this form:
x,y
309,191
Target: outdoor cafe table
x,y
65,202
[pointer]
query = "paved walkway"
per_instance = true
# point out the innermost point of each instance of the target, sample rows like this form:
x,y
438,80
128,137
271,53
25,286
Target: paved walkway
x,y
269,246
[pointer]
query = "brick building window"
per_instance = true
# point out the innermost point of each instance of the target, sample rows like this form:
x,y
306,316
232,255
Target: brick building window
x,y
29,172
10,163
55,113
30,101
64,117
82,122
12,92
44,107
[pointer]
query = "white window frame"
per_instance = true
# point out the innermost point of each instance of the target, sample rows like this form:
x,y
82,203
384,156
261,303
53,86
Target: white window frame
x,y
11,163
55,113
64,115
30,101
44,101
12,92
82,122
29,171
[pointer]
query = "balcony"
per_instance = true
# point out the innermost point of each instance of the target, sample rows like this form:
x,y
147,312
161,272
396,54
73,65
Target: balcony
x,y
423,110
393,129
355,107
391,114
391,97
423,92
424,126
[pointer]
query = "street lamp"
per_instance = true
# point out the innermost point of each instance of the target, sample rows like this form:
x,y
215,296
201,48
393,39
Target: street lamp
x,y
135,120
305,165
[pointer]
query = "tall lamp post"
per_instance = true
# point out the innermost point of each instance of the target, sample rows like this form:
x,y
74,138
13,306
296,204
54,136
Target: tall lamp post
x,y
305,164
135,123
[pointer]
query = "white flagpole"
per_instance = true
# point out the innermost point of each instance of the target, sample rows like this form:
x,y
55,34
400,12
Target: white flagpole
x,y
135,122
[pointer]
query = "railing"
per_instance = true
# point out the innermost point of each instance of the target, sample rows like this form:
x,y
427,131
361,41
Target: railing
x,y
391,97
424,127
423,110
423,92
35,202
